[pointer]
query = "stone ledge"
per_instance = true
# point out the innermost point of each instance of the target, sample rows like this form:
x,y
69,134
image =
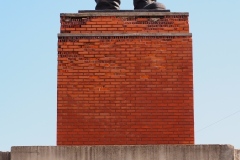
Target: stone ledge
x,y
130,13
137,10
125,35
4,155
138,152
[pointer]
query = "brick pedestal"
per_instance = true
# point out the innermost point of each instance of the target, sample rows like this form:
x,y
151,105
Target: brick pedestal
x,y
125,78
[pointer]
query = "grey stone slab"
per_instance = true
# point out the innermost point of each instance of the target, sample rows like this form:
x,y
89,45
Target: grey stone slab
x,y
122,11
4,155
123,35
237,154
138,152
122,14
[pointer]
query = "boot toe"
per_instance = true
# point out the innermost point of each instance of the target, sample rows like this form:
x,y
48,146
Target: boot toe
x,y
155,5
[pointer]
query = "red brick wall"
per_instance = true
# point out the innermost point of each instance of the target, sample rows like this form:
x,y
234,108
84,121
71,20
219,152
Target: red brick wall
x,y
124,88
122,24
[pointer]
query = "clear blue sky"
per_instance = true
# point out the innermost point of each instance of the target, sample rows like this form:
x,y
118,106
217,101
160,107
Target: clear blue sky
x,y
28,68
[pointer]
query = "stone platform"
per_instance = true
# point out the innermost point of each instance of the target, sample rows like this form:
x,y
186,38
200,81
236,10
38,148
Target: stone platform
x,y
137,152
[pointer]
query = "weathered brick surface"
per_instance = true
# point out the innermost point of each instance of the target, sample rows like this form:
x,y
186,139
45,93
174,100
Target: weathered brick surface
x,y
124,89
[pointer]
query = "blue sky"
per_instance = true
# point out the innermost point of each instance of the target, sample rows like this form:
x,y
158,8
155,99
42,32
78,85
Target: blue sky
x,y
28,68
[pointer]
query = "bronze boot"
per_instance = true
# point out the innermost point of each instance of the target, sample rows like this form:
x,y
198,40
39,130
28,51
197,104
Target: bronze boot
x,y
148,4
107,4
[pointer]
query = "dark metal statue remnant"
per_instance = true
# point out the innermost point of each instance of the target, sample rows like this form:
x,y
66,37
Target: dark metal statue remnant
x,y
138,4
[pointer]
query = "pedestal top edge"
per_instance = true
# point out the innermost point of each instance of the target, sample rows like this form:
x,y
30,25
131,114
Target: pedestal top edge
x,y
136,10
125,35
123,13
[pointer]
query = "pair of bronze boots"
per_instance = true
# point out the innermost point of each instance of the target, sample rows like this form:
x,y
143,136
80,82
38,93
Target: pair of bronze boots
x,y
138,4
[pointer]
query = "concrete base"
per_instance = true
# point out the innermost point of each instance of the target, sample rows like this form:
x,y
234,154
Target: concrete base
x,y
148,152
237,155
4,155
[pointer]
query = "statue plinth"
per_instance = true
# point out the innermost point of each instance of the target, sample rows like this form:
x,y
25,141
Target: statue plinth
x,y
125,78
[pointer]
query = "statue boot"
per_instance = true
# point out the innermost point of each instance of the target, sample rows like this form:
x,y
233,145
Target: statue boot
x,y
107,4
148,4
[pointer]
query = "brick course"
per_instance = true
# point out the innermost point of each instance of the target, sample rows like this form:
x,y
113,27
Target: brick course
x,y
131,87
